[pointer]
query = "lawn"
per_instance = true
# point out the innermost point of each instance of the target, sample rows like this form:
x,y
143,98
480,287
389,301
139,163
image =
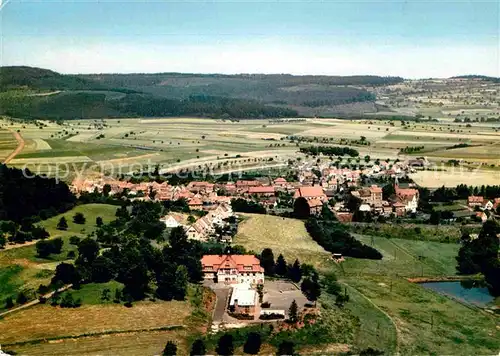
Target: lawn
x,y
90,211
429,323
91,293
403,257
22,269
9,277
124,344
282,235
410,231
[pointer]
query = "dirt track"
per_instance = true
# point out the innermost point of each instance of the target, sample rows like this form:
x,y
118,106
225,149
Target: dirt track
x,y
19,147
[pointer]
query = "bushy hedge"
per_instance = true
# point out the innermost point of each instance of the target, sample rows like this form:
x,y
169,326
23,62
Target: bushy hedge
x,y
334,238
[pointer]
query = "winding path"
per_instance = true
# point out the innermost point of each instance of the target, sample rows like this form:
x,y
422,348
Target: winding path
x,y
19,148
398,332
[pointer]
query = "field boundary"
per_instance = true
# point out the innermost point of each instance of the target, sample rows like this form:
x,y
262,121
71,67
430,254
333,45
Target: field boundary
x,y
99,333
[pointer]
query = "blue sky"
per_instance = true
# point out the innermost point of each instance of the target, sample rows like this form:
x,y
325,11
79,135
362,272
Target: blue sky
x,y
408,38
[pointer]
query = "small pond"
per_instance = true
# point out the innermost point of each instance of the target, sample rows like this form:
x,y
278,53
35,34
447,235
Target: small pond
x,y
472,292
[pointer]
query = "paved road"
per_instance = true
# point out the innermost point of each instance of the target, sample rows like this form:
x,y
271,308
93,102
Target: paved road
x,y
220,307
19,148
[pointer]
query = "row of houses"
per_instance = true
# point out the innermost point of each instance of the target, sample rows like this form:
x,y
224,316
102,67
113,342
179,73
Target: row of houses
x,y
483,203
205,226
405,200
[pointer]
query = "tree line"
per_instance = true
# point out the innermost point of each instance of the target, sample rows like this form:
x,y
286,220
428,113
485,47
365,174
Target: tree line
x,y
330,151
480,255
22,197
334,238
463,191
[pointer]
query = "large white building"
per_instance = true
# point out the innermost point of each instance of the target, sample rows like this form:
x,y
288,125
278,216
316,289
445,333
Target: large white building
x,y
233,269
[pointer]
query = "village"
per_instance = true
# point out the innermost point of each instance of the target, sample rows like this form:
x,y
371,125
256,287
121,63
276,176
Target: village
x,y
238,280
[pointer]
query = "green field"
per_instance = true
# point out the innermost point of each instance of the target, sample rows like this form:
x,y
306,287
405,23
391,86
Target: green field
x,y
125,145
22,269
90,294
394,315
90,211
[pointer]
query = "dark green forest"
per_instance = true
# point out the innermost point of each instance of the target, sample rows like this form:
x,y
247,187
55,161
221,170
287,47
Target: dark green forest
x,y
175,94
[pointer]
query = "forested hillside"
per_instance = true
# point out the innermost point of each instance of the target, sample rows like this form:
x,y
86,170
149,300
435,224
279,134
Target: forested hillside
x,y
22,195
33,93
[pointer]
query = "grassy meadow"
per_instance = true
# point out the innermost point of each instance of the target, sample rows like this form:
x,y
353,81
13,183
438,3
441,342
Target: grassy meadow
x,y
394,315
286,236
20,267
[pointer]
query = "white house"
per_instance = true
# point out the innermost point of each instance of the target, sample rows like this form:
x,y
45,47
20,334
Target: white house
x,y
171,221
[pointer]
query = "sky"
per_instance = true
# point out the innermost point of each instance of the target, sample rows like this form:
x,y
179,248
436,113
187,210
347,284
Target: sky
x,y
412,39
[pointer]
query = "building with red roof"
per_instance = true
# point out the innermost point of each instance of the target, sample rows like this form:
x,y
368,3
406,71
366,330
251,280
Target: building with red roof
x,y
232,269
314,192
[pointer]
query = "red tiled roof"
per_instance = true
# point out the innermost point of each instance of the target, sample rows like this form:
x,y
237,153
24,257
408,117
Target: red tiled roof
x,y
231,261
248,183
195,201
257,190
314,203
309,192
475,199
375,189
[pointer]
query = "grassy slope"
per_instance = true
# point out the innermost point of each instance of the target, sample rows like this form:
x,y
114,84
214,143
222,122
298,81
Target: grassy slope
x,y
393,313
90,211
45,321
21,269
286,236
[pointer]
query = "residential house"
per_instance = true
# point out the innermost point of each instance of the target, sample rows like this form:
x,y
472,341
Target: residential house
x,y
315,206
233,269
242,186
261,191
474,201
280,182
200,187
408,197
314,192
195,204
172,221
371,196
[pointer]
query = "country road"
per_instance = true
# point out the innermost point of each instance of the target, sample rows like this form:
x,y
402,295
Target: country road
x,y
19,148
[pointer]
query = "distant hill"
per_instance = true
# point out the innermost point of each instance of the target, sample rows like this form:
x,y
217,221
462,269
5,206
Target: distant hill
x,y
479,77
177,94
44,79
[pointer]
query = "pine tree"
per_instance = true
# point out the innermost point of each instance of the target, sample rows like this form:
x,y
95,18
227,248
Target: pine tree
x,y
170,349
293,312
281,268
253,343
198,348
9,303
62,224
225,345
296,272
267,261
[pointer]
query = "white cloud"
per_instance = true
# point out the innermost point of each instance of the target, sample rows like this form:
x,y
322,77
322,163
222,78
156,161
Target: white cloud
x,y
262,56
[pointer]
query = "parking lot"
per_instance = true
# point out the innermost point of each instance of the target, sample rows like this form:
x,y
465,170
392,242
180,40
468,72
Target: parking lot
x,y
281,294
278,293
